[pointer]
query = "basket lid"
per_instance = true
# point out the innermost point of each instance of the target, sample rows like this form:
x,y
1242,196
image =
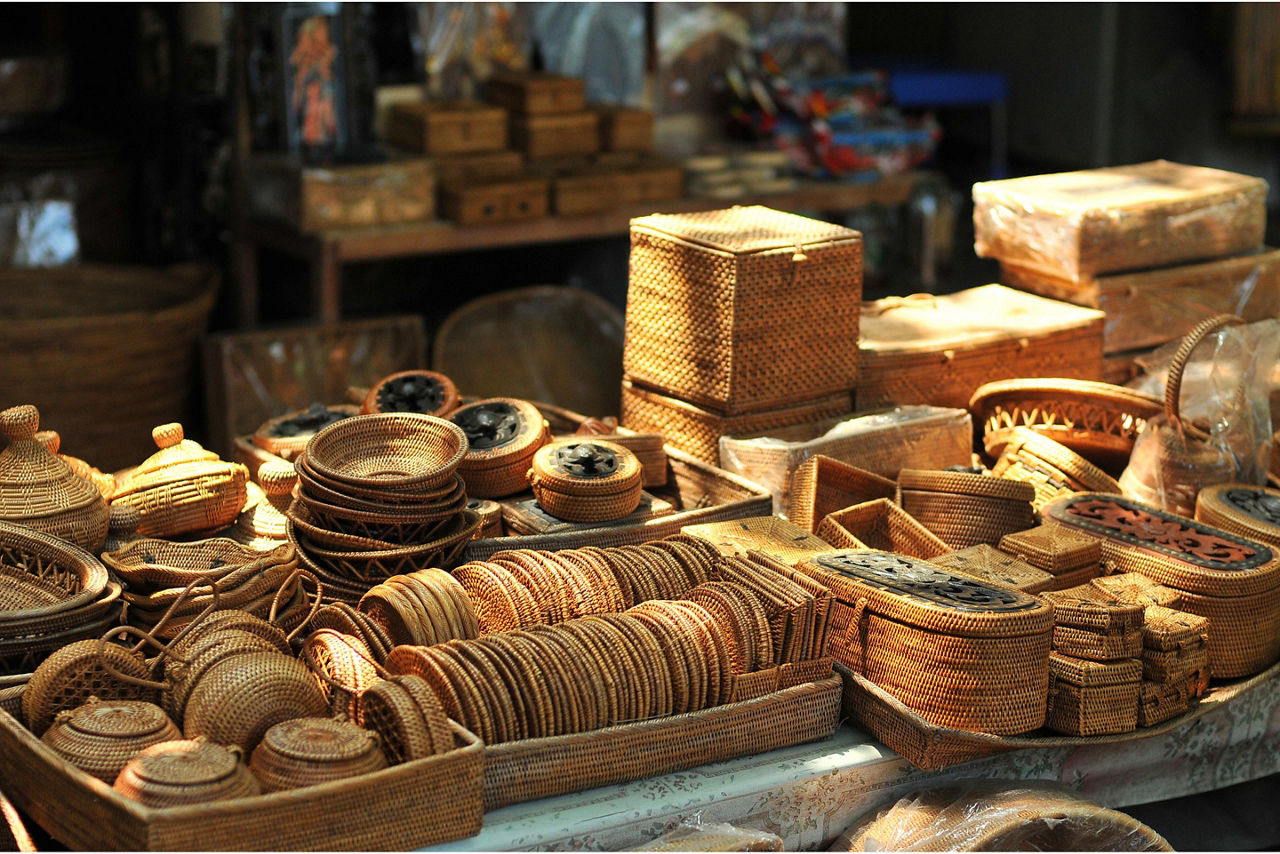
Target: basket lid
x,y
33,480
499,430
1088,674
319,740
188,762
428,392
1053,548
177,459
983,561
118,718
1190,555
302,424
744,229
586,467
966,483
922,594
1244,504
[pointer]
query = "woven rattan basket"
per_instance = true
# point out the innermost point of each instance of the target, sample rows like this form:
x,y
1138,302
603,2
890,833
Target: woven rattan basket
x,y
182,488
307,751
1099,421
1053,469
1093,698
183,772
823,485
883,525
287,435
984,562
962,653
241,697
388,452
100,737
771,535
965,509
1241,508
743,309
43,576
1233,581
503,435
586,481
39,490
427,392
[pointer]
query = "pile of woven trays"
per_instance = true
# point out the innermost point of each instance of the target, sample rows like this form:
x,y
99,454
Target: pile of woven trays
x,y
378,495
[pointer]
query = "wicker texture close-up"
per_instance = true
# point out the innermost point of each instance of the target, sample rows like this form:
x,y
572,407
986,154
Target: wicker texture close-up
x,y
984,562
823,485
182,772
586,481
241,697
307,751
965,509
1241,508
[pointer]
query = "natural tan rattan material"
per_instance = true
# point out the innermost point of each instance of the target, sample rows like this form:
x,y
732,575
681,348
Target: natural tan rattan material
x,y
388,451
984,562
308,751
1135,587
42,576
73,674
344,666
965,509
241,697
182,772
823,485
1165,628
586,480
101,736
1158,702
881,524
784,540
38,489
286,436
1092,710
427,392
1241,508
503,434
1051,467
743,309
1097,646
1053,548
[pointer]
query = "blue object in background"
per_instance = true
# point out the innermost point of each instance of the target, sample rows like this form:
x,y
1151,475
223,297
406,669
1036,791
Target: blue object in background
x,y
916,88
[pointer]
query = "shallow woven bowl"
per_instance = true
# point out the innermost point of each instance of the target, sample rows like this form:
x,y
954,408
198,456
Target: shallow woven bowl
x,y
360,497
1099,421
362,565
388,450
41,575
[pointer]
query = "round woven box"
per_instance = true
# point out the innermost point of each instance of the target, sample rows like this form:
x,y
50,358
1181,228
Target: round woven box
x,y
586,481
287,435
307,751
39,490
182,772
1242,508
1052,469
965,509
101,736
427,392
503,433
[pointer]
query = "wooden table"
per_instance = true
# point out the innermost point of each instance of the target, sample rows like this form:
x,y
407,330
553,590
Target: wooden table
x,y
326,252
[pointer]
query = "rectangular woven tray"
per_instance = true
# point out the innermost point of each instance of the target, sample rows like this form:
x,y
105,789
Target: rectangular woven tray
x,y
542,767
383,810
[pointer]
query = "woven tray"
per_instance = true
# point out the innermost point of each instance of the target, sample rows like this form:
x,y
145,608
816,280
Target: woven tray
x,y
776,537
382,810
824,485
700,492
539,768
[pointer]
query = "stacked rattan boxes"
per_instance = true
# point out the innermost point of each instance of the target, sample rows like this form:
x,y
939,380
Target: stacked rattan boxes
x,y
1095,671
738,321
1139,241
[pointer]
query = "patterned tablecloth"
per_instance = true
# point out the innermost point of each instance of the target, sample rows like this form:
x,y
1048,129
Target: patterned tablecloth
x,y
811,793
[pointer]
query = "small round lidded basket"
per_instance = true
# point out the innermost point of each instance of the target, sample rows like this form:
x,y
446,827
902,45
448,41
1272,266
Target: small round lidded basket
x,y
101,736
586,480
503,433
181,772
308,751
427,392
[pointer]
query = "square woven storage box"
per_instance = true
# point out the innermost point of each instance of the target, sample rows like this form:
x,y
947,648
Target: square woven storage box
x,y
743,309
824,485
880,441
1233,581
882,525
939,350
1075,224
447,127
989,564
356,196
959,652
1092,698
697,430
1158,703
1181,296
1055,549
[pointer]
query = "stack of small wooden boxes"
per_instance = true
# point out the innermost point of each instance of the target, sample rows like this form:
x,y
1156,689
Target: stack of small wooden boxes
x,y
738,321
1149,240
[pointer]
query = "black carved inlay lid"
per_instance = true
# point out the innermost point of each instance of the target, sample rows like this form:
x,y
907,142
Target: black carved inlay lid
x,y
1257,503
910,577
306,423
489,425
586,459
412,393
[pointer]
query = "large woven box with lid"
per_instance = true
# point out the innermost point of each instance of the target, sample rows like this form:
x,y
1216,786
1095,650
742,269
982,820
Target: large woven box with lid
x,y
960,652
743,309
1233,581
939,350
1077,224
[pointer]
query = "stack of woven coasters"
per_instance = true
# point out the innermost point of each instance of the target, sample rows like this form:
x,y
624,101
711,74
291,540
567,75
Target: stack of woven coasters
x,y
1069,557
1095,670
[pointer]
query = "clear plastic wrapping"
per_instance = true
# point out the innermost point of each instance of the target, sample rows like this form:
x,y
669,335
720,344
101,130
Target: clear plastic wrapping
x,y
999,816
881,441
1077,224
695,834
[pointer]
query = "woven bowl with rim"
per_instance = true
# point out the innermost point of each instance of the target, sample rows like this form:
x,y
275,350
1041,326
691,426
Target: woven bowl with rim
x,y
42,575
388,450
1099,421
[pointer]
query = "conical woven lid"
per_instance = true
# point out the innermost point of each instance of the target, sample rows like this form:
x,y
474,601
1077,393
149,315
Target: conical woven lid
x,y
178,459
118,719
193,762
34,481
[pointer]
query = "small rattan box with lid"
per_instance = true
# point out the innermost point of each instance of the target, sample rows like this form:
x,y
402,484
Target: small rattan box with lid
x,y
743,309
586,480
1233,581
1070,557
1092,697
1242,508
983,561
960,652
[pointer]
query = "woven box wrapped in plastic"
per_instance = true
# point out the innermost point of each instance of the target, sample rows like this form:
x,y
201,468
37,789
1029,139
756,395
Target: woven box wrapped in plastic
x,y
743,309
1076,224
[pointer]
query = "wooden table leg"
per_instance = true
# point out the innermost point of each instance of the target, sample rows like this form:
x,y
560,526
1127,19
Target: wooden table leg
x,y
326,282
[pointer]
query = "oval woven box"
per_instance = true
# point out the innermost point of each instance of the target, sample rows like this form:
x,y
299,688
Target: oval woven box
x,y
1242,508
503,434
586,480
965,509
181,772
1231,580
427,392
101,736
961,652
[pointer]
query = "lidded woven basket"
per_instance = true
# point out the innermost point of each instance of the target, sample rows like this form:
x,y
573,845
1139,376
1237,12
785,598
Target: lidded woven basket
x,y
241,697
306,751
39,490
586,480
1242,508
965,509
101,736
188,771
503,434
743,309
961,652
183,488
287,435
1231,580
103,482
428,392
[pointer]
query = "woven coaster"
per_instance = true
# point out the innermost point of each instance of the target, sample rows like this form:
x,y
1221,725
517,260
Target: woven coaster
x,y
584,671
505,706
527,681
654,688
538,579
607,680
692,562
476,715
564,706
432,711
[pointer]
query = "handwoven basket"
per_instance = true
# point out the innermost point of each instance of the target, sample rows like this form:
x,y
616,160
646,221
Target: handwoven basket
x,y
427,392
69,677
984,562
43,576
100,737
880,524
823,485
1233,581
960,652
1242,508
1053,469
62,321
307,751
39,490
503,434
184,772
771,535
241,697
388,451
586,480
965,509
1093,698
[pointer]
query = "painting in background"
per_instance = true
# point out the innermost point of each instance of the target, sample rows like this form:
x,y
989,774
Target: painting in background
x,y
314,78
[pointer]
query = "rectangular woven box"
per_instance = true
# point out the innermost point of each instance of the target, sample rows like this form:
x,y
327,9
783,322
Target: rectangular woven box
x,y
625,129
1158,703
938,350
1181,296
649,179
880,524
1095,710
553,134
447,127
586,191
697,430
959,652
497,200
983,561
526,516
535,92
743,309
1077,224
322,198
880,441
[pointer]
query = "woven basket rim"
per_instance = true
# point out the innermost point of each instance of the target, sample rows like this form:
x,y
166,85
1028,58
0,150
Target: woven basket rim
x,y
431,424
